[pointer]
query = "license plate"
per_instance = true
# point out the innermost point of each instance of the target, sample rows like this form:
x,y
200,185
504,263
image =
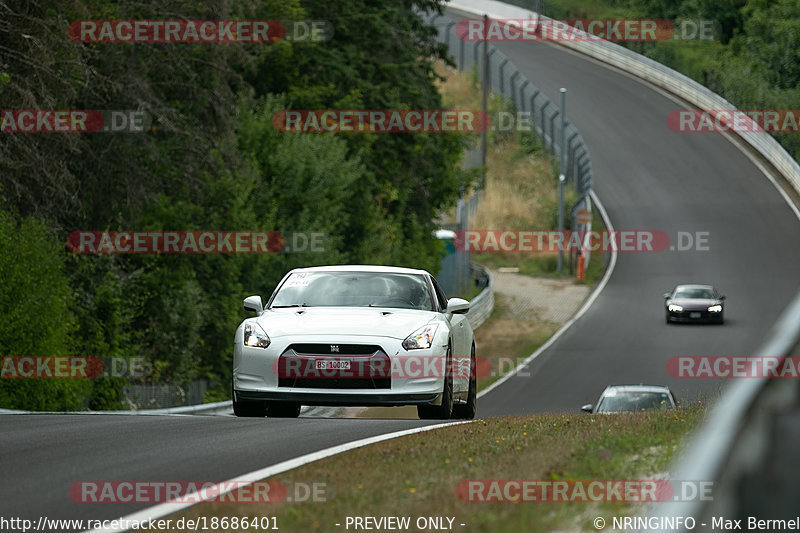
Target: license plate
x,y
325,364
694,315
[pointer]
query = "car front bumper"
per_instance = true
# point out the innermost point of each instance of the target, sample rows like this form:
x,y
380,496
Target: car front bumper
x,y
404,377
694,315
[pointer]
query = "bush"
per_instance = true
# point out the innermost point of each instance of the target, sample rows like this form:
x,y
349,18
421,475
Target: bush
x,y
35,299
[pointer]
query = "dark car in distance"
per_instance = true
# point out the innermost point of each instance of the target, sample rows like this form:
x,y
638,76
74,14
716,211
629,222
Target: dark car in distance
x,y
694,303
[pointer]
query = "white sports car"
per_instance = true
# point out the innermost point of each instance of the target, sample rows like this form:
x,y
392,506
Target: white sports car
x,y
357,336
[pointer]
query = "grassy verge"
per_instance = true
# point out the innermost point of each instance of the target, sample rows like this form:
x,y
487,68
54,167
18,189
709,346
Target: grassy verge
x,y
418,475
512,339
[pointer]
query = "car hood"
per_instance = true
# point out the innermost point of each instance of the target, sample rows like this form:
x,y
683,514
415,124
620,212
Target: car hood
x,y
375,321
695,303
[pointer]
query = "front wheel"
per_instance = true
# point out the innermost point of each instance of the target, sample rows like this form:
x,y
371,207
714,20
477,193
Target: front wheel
x,y
248,409
444,411
283,409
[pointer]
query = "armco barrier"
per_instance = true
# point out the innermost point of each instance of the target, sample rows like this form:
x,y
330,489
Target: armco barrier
x,y
482,305
204,408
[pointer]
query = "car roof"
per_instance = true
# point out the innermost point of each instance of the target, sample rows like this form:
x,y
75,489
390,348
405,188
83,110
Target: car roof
x,y
694,286
637,388
362,268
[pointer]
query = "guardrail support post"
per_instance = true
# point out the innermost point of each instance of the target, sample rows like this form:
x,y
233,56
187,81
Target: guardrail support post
x,y
484,96
562,168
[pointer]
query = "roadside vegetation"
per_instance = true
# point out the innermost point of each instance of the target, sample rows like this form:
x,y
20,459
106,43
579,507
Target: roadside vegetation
x,y
422,472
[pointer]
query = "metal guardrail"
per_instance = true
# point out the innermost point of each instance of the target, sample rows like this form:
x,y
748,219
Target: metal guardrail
x,y
655,73
483,304
183,410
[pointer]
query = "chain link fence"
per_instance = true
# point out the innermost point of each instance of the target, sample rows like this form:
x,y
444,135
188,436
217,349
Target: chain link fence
x,y
543,116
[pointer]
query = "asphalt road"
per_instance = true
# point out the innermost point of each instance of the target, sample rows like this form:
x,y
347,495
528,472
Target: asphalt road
x,y
647,176
41,456
651,178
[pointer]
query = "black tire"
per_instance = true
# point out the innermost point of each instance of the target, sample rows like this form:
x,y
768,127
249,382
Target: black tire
x,y
467,410
668,320
444,411
283,409
248,409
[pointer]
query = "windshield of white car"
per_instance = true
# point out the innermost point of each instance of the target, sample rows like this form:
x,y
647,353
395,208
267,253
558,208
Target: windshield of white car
x,y
634,401
354,289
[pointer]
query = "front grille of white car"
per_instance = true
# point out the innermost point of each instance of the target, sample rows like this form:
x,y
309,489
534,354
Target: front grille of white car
x,y
370,367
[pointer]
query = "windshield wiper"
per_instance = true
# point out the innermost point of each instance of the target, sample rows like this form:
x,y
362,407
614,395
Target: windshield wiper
x,y
291,305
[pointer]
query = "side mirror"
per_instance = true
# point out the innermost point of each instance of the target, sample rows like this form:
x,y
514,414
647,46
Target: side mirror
x,y
667,295
722,297
457,306
588,408
253,303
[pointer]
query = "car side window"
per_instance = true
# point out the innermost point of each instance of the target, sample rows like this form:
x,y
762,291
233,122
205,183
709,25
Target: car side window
x,y
439,294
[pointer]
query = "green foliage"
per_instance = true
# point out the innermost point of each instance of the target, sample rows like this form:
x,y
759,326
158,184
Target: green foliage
x,y
36,317
212,161
33,287
755,64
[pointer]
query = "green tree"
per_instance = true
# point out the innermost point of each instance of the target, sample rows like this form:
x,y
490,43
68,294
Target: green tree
x,y
37,320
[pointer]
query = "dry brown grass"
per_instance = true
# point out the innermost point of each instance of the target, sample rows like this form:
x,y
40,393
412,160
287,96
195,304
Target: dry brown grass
x,y
519,183
518,189
503,340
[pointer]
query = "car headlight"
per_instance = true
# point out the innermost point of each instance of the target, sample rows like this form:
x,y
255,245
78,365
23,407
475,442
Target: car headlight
x,y
715,308
255,336
421,339
675,308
